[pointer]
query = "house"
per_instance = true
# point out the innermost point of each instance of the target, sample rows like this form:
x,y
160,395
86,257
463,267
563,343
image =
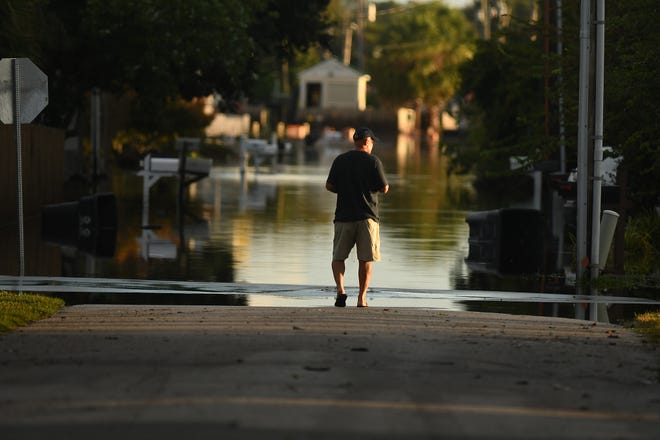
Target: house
x,y
332,85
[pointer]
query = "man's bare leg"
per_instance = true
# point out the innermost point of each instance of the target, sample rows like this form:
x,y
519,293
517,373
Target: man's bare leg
x,y
338,269
364,277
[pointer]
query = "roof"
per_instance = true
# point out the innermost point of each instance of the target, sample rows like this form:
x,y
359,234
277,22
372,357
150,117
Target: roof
x,y
330,68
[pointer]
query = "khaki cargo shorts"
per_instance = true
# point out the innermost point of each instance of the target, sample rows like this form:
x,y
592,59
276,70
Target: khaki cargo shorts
x,y
364,234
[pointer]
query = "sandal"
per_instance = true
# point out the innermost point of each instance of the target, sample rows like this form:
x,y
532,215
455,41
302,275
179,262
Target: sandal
x,y
341,300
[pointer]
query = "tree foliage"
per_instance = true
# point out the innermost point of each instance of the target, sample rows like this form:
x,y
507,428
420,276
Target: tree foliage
x,y
415,53
156,50
283,31
21,28
632,93
504,89
285,27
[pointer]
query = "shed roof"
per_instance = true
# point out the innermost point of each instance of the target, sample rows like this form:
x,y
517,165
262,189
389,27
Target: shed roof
x,y
330,68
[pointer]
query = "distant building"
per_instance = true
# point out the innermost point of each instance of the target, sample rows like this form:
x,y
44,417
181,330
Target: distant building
x,y
330,85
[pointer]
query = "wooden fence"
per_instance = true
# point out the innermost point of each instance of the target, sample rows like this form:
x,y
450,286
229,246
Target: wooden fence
x,y
43,170
43,184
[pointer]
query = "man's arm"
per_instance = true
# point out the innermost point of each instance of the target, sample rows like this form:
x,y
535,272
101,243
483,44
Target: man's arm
x,y
381,179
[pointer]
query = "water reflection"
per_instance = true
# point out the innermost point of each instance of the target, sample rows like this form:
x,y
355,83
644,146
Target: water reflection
x,y
275,227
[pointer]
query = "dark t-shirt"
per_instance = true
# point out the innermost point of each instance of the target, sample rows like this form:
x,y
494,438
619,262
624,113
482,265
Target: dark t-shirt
x,y
357,176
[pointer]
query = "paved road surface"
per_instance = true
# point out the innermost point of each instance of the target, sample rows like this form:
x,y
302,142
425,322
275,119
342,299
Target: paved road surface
x,y
136,371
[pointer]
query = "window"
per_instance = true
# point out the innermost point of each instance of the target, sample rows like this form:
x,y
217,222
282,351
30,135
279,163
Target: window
x,y
313,95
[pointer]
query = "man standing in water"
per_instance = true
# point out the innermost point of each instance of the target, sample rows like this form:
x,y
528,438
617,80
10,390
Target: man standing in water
x,y
356,177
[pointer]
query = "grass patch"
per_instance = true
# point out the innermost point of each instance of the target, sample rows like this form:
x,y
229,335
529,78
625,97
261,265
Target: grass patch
x,y
648,324
18,309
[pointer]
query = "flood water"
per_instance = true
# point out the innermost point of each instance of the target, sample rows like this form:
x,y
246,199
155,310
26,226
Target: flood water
x,y
273,226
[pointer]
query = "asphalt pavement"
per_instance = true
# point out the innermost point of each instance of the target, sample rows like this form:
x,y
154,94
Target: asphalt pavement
x,y
141,371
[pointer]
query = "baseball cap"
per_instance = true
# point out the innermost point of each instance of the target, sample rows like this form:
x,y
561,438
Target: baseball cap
x,y
363,133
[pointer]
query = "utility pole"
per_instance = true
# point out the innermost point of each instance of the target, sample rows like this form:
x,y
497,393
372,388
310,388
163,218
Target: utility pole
x,y
485,10
560,53
598,144
583,140
361,13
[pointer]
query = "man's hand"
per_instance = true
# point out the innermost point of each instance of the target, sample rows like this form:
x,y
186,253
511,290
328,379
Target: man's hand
x,y
330,187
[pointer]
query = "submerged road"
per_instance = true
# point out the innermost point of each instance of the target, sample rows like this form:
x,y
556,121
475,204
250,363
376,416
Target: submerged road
x,y
99,290
141,371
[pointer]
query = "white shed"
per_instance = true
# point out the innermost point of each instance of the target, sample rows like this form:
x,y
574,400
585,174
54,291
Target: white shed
x,y
332,85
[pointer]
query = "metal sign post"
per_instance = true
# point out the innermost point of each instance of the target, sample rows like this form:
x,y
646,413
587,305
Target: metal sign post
x,y
23,95
19,165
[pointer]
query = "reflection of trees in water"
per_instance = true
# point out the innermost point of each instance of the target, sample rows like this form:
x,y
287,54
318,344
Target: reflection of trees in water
x,y
424,227
521,308
481,280
211,260
617,313
214,263
73,298
427,202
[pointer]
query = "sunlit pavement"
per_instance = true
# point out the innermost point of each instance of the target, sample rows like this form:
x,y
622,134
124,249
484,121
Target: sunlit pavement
x,y
141,371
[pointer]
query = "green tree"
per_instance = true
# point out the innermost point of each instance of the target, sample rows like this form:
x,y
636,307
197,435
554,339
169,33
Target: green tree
x,y
157,51
283,30
20,28
161,50
632,93
505,87
416,51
